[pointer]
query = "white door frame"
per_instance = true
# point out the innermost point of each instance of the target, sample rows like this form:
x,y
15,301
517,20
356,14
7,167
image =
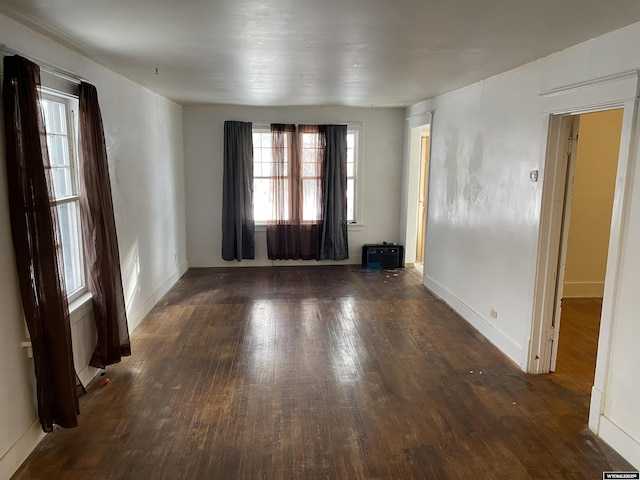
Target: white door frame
x,y
619,91
565,174
412,183
421,217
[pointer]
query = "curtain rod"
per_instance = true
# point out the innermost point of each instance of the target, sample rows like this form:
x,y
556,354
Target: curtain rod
x,y
348,124
46,66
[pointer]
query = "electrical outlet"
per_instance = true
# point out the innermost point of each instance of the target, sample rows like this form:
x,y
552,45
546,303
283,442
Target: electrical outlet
x,y
533,175
493,313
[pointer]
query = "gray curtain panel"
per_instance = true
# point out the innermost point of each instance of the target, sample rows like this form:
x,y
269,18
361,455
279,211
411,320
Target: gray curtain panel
x,y
238,226
99,235
35,236
333,236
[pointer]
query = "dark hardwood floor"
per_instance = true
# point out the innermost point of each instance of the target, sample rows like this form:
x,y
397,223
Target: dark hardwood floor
x,y
578,345
319,372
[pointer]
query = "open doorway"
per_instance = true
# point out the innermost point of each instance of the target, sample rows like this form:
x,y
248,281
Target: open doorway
x,y
559,107
589,196
422,197
417,179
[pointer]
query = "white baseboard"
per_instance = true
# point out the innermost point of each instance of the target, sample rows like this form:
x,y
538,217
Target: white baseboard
x,y
583,290
510,348
20,450
206,262
87,374
136,317
620,441
595,409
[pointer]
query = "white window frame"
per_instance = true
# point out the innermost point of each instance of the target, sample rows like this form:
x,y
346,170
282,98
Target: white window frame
x,y
358,210
356,129
261,129
71,107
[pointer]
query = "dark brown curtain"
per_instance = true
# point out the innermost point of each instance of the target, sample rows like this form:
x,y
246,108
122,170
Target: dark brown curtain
x,y
238,226
34,232
333,236
99,235
289,235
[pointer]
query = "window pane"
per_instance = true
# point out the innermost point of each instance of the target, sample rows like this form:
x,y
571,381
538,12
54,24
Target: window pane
x,y
261,199
350,155
279,169
58,147
310,199
70,236
309,169
309,140
266,155
266,140
257,140
350,200
284,208
309,155
350,169
61,182
257,155
269,169
55,117
351,141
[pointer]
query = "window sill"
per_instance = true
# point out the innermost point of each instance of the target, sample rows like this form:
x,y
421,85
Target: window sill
x,y
80,307
356,227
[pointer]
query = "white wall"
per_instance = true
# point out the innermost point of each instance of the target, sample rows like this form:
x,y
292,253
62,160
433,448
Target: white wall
x,y
144,140
591,203
484,212
382,170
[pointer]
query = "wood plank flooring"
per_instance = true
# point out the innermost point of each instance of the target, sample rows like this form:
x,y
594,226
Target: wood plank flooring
x,y
319,372
578,346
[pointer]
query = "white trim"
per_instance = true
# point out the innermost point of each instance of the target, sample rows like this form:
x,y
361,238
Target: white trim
x,y
147,305
358,195
505,344
583,290
617,91
80,307
20,450
620,441
411,183
209,262
627,159
592,95
596,405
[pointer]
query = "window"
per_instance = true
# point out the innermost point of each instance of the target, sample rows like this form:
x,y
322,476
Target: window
x,y
263,168
61,125
311,176
352,151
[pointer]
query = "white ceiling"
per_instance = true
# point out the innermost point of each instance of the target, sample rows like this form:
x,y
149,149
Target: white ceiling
x,y
322,52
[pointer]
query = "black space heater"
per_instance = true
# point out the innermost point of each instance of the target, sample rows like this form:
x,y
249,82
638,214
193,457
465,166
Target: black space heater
x,y
382,255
